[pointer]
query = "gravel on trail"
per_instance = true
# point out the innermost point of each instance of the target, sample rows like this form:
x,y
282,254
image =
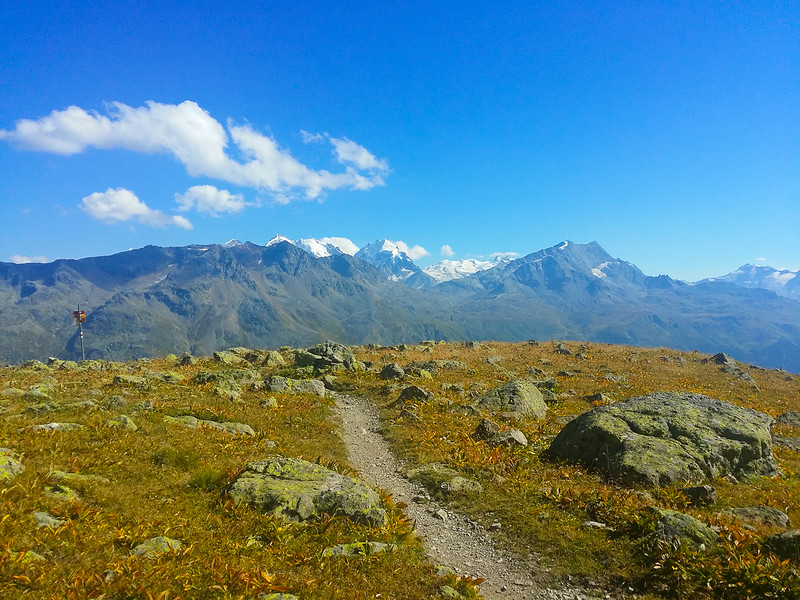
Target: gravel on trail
x,y
450,539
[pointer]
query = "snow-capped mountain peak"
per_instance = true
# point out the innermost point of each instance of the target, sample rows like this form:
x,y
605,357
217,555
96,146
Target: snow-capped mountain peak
x,y
389,257
327,246
448,270
781,281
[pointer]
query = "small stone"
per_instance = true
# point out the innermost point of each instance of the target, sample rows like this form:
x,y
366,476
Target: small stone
x,y
122,422
44,519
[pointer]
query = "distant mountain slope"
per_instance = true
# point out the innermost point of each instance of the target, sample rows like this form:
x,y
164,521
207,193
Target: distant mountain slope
x,y
781,281
202,298
157,300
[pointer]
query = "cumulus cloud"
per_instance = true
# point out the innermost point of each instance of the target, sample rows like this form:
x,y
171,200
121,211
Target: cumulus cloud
x,y
208,199
118,204
190,134
413,252
21,260
446,250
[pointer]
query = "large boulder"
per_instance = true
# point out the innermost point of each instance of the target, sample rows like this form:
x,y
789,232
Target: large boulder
x,y
518,398
299,490
666,437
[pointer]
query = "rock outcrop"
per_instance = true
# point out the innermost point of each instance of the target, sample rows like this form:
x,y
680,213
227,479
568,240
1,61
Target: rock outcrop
x,y
667,437
299,490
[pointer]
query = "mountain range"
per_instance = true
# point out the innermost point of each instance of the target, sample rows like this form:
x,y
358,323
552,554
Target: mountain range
x,y
152,301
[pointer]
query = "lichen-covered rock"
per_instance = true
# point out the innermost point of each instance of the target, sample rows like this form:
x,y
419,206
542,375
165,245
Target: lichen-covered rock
x,y
45,519
286,385
509,439
517,399
10,467
226,357
758,515
300,490
677,528
195,423
667,437
442,480
59,491
155,547
57,427
131,380
122,422
12,393
358,549
785,546
278,596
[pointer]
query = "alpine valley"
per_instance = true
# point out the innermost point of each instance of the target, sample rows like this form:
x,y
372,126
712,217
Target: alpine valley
x,y
199,299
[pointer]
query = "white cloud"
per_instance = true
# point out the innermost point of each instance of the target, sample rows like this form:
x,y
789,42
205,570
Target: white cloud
x,y
118,204
413,252
21,260
343,244
311,138
446,250
201,143
208,199
761,260
347,152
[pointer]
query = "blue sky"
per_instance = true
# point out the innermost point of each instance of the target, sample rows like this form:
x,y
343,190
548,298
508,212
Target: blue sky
x,y
669,132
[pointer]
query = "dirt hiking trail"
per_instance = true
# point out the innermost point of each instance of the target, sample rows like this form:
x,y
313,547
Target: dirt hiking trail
x,y
450,539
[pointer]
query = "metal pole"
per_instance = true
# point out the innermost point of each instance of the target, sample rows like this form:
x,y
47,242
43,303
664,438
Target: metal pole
x,y
80,328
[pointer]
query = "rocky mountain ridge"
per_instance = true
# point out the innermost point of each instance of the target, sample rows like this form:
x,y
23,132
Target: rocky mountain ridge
x,y
156,300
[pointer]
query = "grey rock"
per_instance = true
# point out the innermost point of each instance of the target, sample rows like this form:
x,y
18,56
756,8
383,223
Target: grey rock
x,y
442,480
122,422
677,528
299,490
485,429
392,371
701,495
667,437
412,393
279,384
518,398
789,418
758,515
57,427
195,423
785,546
359,549
10,467
509,439
45,519
562,349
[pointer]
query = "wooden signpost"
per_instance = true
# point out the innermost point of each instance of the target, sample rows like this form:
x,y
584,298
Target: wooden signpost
x,y
80,318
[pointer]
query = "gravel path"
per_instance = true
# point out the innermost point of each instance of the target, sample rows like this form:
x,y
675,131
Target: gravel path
x,y
450,538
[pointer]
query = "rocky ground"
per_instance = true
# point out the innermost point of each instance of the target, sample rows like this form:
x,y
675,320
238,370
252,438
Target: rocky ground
x,y
450,539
